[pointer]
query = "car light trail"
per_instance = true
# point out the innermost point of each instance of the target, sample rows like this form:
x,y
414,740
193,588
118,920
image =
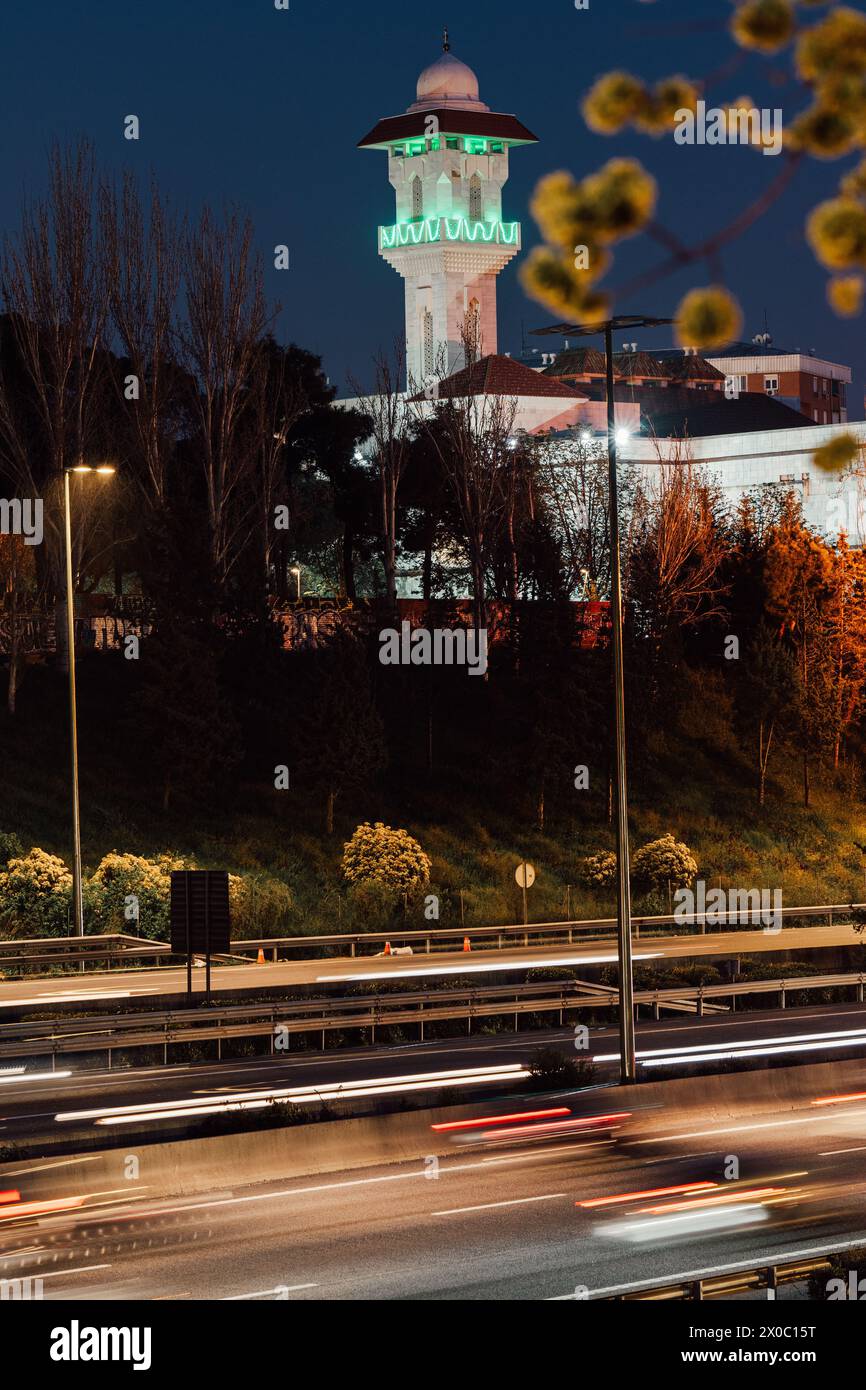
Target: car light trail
x,y
840,1100
26,1076
554,1128
496,967
717,1200
652,1192
19,1210
67,997
498,1120
758,1047
299,1095
685,1223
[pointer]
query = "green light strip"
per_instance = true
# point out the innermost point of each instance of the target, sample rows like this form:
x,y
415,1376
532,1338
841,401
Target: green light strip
x,y
456,229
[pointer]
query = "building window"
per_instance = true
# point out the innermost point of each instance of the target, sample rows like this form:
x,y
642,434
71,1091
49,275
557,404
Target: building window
x,y
473,326
476,205
427,335
398,152
475,146
814,386
452,142
496,147
771,385
417,197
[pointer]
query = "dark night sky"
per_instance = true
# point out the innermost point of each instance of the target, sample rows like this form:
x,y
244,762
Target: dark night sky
x,y
242,103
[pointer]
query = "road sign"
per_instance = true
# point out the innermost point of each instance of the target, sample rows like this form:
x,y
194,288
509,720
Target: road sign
x,y
525,875
200,920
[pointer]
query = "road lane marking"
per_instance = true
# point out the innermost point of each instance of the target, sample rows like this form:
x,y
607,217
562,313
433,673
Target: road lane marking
x,y
742,1128
492,1206
266,1293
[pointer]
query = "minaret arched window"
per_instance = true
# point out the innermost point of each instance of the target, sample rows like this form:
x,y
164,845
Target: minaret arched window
x,y
417,197
476,201
427,342
473,327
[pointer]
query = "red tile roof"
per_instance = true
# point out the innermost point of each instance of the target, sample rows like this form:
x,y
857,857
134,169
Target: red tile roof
x,y
498,375
692,368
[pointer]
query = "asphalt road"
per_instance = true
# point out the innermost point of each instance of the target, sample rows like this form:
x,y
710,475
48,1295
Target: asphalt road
x,y
29,1107
132,984
503,1224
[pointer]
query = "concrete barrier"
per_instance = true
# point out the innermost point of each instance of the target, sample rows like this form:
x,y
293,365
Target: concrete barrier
x,y
228,1162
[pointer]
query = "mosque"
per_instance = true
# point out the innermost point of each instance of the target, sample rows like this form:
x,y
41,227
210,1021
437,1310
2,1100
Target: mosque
x,y
448,163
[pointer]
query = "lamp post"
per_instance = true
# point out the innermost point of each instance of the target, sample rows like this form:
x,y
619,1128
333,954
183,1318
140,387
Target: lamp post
x,y
627,1059
77,898
296,571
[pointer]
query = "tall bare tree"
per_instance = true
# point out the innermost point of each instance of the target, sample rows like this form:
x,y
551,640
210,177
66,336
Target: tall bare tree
x,y
472,439
141,246
226,317
54,377
391,437
674,561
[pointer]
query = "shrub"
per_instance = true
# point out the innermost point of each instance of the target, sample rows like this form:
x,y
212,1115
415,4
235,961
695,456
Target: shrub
x,y
599,871
392,858
35,894
664,861
550,1068
260,905
122,876
10,848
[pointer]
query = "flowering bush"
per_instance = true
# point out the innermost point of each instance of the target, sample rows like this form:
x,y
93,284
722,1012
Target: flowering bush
x,y
35,894
664,861
599,871
120,877
378,854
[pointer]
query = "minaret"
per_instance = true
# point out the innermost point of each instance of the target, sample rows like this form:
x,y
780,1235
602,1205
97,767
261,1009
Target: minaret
x,y
448,163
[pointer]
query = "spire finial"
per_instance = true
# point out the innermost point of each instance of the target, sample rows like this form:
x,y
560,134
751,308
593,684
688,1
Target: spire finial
x,y
446,42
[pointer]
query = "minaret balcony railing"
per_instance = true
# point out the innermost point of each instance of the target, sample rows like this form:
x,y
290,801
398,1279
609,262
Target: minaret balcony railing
x,y
430,230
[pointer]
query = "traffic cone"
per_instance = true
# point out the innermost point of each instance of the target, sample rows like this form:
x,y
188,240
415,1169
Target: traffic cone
x,y
260,960
467,945
387,950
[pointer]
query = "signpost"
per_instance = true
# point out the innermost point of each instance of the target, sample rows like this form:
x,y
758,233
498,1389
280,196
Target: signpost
x,y
200,919
525,876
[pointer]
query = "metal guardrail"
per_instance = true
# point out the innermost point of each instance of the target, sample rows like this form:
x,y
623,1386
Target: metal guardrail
x,y
605,926
130,1031
736,1280
73,949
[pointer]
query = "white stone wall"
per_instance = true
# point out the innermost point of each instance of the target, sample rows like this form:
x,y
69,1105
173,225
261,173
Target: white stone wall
x,y
831,502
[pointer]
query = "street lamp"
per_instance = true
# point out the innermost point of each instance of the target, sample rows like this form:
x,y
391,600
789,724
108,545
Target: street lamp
x,y
77,899
296,571
628,1062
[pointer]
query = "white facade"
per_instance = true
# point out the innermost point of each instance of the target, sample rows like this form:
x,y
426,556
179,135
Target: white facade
x,y
832,502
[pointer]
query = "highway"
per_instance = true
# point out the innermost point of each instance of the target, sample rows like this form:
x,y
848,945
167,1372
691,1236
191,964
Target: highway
x,y
136,984
505,1223
29,1107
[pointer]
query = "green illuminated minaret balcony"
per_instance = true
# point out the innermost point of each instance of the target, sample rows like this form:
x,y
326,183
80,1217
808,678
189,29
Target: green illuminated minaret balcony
x,y
431,230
